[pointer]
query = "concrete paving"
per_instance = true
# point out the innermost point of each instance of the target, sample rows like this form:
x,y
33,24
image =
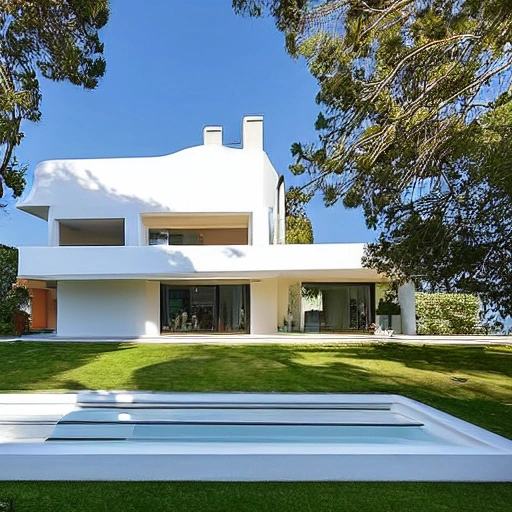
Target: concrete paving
x,y
281,338
31,418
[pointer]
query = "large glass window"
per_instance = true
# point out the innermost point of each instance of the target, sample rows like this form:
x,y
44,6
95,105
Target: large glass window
x,y
174,237
204,308
227,236
233,308
77,232
158,237
337,307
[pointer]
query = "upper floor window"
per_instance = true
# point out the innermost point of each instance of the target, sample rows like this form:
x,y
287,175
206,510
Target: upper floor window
x,y
173,237
158,237
76,232
208,236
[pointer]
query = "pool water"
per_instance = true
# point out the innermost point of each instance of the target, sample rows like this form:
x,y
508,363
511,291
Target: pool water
x,y
283,434
259,425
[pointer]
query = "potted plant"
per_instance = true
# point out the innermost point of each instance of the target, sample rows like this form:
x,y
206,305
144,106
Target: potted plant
x,y
388,313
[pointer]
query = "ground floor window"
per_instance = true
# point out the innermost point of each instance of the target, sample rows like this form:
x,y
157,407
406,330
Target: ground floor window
x,y
337,307
219,308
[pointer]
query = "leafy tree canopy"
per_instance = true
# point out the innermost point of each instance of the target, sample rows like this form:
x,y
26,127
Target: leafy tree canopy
x,y
12,298
415,127
55,39
299,229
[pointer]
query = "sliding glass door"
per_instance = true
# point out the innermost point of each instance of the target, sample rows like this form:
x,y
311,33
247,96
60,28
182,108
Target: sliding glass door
x,y
337,307
233,308
221,308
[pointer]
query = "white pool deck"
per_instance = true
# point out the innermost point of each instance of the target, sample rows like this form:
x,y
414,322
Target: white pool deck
x,y
251,437
281,338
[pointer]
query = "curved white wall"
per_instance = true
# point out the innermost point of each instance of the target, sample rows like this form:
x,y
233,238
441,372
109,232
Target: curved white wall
x,y
210,178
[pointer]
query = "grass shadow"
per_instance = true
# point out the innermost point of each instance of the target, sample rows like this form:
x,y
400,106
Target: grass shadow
x,y
443,358
282,369
24,365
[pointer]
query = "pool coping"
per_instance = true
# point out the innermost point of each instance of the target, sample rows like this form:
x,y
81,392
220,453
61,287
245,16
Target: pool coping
x,y
489,458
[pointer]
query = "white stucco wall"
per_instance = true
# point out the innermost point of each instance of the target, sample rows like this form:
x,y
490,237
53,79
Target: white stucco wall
x,y
315,262
151,317
407,300
264,306
209,178
269,192
107,308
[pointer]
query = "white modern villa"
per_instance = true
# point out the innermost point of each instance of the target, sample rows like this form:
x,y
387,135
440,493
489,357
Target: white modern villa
x,y
189,242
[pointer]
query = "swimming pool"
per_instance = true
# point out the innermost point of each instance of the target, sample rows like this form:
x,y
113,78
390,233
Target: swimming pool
x,y
255,436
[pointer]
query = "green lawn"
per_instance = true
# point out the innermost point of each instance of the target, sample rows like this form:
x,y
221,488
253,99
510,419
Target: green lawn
x,y
424,373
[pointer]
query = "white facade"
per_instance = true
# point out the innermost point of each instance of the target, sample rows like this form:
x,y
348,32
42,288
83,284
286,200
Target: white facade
x,y
127,308
220,213
207,179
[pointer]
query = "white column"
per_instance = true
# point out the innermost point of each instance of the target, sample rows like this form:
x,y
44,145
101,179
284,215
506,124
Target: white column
x,y
260,227
134,233
283,286
264,306
151,318
53,229
407,300
53,233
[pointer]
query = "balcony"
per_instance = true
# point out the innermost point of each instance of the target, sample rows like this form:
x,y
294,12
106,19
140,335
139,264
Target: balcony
x,y
318,261
197,229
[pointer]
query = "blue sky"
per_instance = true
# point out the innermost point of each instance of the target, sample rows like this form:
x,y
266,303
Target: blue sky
x,y
172,67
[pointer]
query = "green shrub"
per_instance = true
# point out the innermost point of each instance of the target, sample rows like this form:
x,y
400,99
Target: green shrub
x,y
6,328
13,298
447,313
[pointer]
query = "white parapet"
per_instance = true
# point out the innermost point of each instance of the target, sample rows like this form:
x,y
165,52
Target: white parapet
x,y
315,261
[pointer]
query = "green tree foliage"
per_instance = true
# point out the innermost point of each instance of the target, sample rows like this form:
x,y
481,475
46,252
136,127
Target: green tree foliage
x,y
12,298
299,229
54,39
416,129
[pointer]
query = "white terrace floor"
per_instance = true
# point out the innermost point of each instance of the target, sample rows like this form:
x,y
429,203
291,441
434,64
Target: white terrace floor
x,y
285,339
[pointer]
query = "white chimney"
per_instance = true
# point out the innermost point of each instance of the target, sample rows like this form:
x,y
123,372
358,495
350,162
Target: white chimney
x,y
252,132
212,135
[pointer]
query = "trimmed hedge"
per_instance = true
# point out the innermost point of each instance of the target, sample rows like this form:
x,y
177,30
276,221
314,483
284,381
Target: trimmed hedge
x,y
447,313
